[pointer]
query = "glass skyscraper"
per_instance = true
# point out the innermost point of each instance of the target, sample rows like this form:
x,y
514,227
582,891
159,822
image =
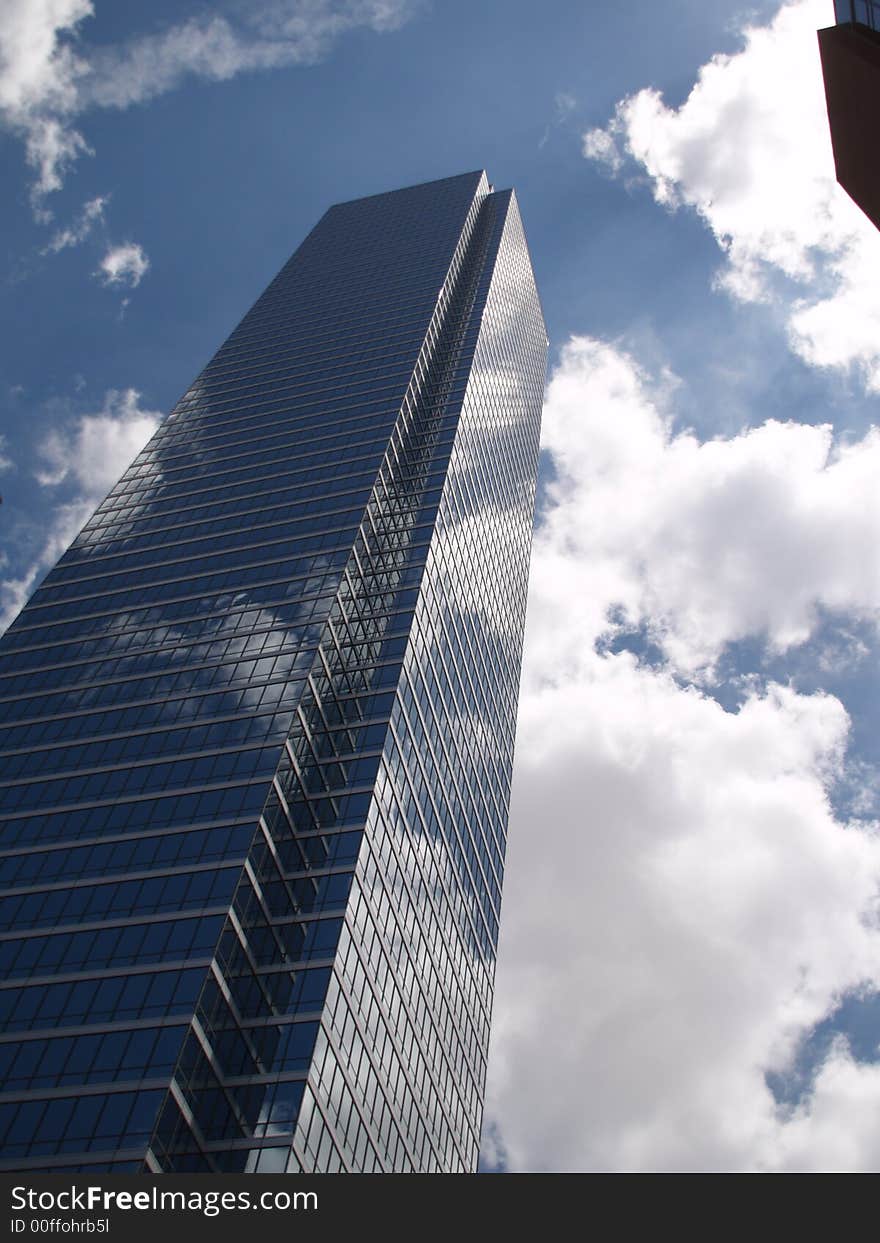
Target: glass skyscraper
x,y
258,726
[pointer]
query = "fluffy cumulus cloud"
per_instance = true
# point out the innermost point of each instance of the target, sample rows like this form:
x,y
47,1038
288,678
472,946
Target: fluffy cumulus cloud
x,y
701,543
749,150
49,75
88,455
39,74
682,906
123,265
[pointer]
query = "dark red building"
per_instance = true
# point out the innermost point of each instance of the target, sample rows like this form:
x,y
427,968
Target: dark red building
x,y
850,54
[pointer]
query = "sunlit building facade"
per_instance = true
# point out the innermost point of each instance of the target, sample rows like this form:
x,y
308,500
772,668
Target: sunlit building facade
x,y
258,727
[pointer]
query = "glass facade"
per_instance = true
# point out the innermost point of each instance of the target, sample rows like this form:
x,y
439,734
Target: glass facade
x,y
866,12
258,723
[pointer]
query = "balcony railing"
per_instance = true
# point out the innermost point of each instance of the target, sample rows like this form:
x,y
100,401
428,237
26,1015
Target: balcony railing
x,y
866,12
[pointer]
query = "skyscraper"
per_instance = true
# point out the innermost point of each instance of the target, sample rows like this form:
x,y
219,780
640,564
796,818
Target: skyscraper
x,y
258,728
850,52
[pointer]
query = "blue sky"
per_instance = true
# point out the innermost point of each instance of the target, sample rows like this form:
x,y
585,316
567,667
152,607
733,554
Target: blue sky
x,y
689,963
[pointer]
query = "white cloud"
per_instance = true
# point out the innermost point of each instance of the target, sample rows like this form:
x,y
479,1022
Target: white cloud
x,y
600,145
840,1128
38,69
47,79
262,36
750,151
91,454
123,265
199,47
74,234
703,543
97,449
681,905
39,72
65,524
